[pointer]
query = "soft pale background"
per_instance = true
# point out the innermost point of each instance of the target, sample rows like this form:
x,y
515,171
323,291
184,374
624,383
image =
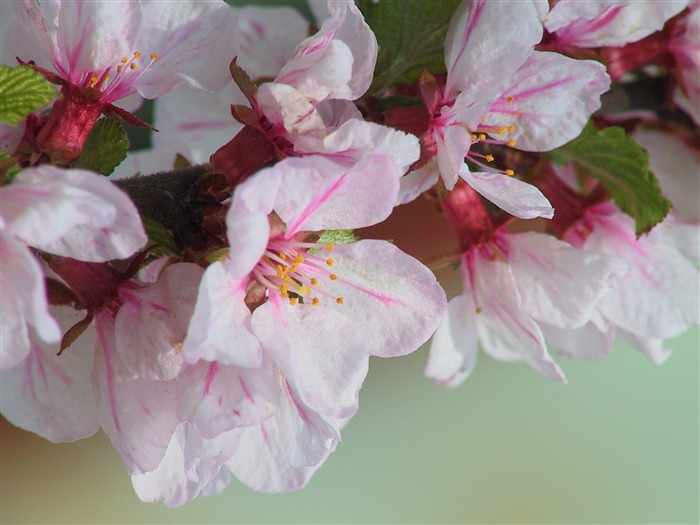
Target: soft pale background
x,y
619,444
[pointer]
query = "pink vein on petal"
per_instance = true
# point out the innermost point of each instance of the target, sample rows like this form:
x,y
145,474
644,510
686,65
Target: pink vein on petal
x,y
211,373
314,205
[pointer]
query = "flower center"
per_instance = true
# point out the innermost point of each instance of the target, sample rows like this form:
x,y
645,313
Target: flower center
x,y
296,271
117,84
479,136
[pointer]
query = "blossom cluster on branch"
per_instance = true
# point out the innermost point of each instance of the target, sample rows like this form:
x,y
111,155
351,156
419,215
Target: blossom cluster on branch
x,y
206,303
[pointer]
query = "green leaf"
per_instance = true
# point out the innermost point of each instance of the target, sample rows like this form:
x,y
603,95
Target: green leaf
x,y
411,37
622,166
105,147
22,91
159,235
337,237
8,167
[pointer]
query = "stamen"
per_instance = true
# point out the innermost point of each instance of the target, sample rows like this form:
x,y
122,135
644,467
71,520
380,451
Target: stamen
x,y
137,54
293,301
125,60
330,261
509,172
315,301
133,66
339,300
489,158
509,99
329,247
512,143
332,277
474,137
511,128
154,56
314,281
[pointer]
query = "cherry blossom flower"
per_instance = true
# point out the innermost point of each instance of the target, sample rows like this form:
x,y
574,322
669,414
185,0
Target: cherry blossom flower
x,y
505,93
313,310
101,52
515,284
71,213
658,298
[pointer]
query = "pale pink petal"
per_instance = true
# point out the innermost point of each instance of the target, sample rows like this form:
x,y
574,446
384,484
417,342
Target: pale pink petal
x,y
281,454
248,229
195,123
220,326
510,194
560,284
587,342
290,110
685,48
139,415
453,143
677,167
659,297
23,302
335,112
653,348
195,42
549,100
28,32
73,213
49,394
608,23
215,398
356,139
320,194
152,322
317,349
323,74
417,182
499,309
170,481
393,301
487,41
454,346
268,36
344,28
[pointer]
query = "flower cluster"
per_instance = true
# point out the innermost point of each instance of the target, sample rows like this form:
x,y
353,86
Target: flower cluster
x,y
217,319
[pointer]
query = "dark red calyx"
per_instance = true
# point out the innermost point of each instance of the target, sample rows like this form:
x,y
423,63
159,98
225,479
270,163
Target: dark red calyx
x,y
472,219
71,119
94,284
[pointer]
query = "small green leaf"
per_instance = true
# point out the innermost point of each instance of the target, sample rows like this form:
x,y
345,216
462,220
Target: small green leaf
x,y
105,147
411,37
337,237
8,167
218,255
160,236
622,166
22,91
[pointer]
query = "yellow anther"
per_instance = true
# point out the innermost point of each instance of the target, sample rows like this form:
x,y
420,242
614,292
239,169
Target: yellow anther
x,y
284,290
489,158
330,261
93,81
339,300
107,76
137,54
283,256
509,99
133,66
315,301
119,69
332,277
503,131
474,137
314,281
511,128
329,247
154,56
482,136
293,301
125,60
512,143
298,258
510,173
